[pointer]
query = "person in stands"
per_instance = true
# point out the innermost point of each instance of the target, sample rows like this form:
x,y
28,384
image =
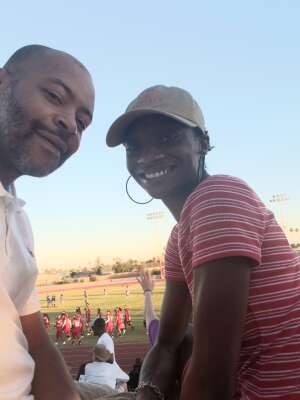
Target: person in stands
x,y
103,370
228,263
152,322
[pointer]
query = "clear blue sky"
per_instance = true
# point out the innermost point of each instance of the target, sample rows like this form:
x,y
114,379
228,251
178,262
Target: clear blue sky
x,y
240,60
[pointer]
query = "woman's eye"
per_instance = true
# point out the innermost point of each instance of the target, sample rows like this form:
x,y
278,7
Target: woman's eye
x,y
171,138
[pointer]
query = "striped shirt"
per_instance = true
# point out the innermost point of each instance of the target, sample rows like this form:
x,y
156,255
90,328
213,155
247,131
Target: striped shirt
x,y
223,217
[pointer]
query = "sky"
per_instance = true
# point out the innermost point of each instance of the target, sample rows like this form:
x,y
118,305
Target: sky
x,y
239,60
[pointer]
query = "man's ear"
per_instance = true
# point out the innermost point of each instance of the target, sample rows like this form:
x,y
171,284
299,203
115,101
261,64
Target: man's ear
x,y
4,78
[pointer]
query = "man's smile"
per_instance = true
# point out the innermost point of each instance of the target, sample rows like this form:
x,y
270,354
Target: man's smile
x,y
52,142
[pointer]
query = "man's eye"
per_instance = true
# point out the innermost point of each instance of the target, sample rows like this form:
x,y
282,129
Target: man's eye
x,y
53,96
81,125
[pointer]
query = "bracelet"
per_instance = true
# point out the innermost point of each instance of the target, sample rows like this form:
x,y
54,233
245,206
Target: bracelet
x,y
151,386
147,290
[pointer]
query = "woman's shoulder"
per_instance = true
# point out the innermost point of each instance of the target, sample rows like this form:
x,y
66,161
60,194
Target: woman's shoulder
x,y
216,184
221,180
220,187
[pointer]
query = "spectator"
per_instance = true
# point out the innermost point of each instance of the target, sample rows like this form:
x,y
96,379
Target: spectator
x,y
103,337
40,128
228,262
134,375
104,371
152,322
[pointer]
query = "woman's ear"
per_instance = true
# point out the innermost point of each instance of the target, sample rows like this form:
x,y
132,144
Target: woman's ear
x,y
205,147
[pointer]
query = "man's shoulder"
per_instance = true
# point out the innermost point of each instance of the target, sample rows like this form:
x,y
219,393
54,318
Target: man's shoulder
x,y
105,337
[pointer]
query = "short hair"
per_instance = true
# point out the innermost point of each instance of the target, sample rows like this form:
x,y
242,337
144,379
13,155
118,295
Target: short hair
x,y
99,323
24,54
29,52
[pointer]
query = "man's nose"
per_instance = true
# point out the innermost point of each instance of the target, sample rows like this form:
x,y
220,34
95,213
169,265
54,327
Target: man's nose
x,y
66,123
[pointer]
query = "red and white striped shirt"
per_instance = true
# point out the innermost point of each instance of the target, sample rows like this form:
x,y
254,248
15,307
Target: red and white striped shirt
x,y
223,217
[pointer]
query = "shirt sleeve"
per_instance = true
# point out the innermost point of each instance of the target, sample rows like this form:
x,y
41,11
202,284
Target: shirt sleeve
x,y
173,267
153,331
226,220
32,305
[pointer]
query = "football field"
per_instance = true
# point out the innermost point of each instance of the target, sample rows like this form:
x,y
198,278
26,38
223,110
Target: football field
x,y
114,297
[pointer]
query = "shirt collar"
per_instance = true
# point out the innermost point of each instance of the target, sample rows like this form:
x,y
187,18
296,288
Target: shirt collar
x,y
10,197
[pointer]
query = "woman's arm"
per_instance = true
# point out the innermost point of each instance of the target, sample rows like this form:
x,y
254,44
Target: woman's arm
x,y
160,364
220,304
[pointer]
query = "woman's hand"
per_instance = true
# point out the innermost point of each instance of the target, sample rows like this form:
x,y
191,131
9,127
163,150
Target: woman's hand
x,y
146,281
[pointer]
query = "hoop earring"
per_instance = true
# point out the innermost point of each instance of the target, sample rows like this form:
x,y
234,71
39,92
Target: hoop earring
x,y
131,198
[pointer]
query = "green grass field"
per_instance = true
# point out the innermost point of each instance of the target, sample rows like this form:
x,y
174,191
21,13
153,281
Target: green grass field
x,y
114,297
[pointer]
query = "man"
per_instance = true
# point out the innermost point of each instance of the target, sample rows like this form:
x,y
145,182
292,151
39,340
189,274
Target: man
x,y
46,102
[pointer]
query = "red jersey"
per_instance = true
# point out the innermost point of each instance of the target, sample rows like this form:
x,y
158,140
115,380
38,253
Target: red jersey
x,y
127,315
223,217
67,325
59,324
119,320
109,323
76,324
46,321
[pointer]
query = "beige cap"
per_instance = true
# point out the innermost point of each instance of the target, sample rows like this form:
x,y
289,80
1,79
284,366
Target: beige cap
x,y
101,353
171,101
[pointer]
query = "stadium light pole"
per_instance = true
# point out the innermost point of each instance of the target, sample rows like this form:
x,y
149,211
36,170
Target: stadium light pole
x,y
280,198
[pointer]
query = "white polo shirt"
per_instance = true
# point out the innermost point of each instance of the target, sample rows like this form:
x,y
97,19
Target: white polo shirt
x,y
18,297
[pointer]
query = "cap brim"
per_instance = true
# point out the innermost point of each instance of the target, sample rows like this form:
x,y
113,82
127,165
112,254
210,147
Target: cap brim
x,y
117,131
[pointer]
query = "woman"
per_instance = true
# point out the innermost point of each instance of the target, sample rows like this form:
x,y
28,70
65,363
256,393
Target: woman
x,y
227,260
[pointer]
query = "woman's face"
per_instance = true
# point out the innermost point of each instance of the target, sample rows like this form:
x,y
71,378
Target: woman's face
x,y
163,155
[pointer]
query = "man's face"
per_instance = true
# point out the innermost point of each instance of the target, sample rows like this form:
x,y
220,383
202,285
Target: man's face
x,y
163,156
43,114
